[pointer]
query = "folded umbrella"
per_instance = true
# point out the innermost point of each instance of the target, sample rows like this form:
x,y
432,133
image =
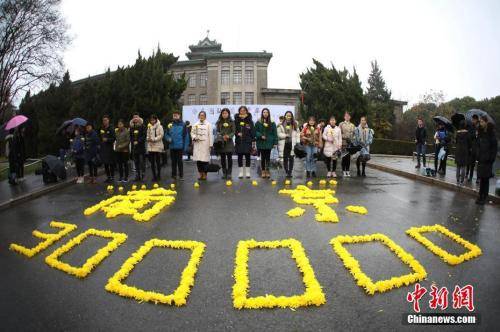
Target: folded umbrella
x,y
15,122
479,113
444,121
55,165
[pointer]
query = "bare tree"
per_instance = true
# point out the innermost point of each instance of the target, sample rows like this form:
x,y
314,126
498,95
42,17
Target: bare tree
x,y
33,36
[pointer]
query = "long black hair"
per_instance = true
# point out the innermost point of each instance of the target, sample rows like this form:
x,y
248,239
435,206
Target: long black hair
x,y
220,119
294,124
268,120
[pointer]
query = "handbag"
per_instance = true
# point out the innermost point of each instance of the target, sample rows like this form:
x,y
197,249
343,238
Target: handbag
x,y
441,154
213,167
299,150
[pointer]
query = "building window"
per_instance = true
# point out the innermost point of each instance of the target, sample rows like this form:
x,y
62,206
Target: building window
x,y
248,76
177,76
224,77
237,98
224,98
237,77
191,99
203,100
249,98
203,79
192,80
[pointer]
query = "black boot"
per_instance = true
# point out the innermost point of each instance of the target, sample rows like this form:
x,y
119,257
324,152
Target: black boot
x,y
308,174
363,172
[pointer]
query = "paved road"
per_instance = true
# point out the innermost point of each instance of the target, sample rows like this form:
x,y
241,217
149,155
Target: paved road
x,y
37,297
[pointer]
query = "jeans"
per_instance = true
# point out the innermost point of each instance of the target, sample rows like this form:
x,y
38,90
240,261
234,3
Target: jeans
x,y
155,160
240,159
421,148
176,157
139,164
288,158
92,169
331,164
310,158
110,170
460,174
346,163
226,160
80,166
122,160
265,159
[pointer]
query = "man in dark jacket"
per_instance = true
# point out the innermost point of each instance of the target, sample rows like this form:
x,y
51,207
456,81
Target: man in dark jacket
x,y
486,154
178,142
473,151
90,151
420,140
138,143
106,152
442,141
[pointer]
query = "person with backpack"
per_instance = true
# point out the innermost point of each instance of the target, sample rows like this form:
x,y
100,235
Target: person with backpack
x,y
106,151
311,139
487,147
178,141
122,150
154,138
202,135
78,153
332,144
223,144
245,137
267,137
462,151
90,149
420,141
442,140
363,137
138,146
288,137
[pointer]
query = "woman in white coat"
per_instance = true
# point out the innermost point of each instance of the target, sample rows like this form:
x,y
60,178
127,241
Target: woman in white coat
x,y
154,139
288,136
203,139
332,138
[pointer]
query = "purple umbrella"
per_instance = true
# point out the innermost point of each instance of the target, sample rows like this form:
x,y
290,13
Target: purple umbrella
x,y
15,122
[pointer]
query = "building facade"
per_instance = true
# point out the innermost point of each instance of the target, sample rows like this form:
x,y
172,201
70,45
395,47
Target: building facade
x,y
240,78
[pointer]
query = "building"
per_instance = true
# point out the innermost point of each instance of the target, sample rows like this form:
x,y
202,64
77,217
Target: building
x,y
240,78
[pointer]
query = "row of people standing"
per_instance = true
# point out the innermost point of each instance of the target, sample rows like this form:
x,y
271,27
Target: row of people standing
x,y
475,143
264,135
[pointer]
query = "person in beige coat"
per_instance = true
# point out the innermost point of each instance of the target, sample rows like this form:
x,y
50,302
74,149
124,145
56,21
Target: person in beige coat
x,y
332,138
347,129
203,139
154,140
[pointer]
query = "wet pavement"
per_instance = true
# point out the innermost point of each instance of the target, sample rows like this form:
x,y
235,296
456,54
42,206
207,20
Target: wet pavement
x,y
35,296
408,165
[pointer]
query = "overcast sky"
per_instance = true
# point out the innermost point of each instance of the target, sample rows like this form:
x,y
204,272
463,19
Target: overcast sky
x,y
452,46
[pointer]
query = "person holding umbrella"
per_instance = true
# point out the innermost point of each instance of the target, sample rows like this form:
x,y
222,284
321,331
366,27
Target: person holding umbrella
x,y
78,153
472,128
487,150
12,154
106,151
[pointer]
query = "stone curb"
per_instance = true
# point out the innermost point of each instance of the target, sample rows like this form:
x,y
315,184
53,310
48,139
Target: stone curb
x,y
431,180
34,194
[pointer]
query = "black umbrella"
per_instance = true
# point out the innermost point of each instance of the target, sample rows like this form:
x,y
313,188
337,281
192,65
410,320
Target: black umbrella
x,y
55,165
65,125
456,119
479,113
444,121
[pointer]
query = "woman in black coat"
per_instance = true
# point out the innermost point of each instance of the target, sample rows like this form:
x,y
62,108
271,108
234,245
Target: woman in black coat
x,y
486,154
245,136
462,151
106,151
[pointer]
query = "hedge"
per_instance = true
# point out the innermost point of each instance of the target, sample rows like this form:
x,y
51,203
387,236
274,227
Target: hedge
x,y
391,146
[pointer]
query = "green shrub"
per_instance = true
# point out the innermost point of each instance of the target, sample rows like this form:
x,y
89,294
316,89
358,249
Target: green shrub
x,y
390,146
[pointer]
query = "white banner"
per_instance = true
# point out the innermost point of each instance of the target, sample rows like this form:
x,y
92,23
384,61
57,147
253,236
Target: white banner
x,y
190,112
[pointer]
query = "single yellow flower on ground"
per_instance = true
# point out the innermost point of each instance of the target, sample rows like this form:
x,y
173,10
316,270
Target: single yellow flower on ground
x,y
172,185
357,209
196,185
309,183
143,187
295,212
155,185
255,183
229,183
332,182
322,182
273,182
134,187
120,189
288,182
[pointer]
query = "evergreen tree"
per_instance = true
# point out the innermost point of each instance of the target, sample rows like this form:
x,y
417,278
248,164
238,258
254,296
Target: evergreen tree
x,y
380,107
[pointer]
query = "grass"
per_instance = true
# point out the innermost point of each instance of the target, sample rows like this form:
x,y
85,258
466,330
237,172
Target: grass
x,y
29,169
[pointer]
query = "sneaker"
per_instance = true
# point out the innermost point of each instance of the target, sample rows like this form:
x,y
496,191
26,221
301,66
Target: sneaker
x,y
313,174
125,180
334,175
418,166
329,174
308,174
240,174
174,177
181,178
348,174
